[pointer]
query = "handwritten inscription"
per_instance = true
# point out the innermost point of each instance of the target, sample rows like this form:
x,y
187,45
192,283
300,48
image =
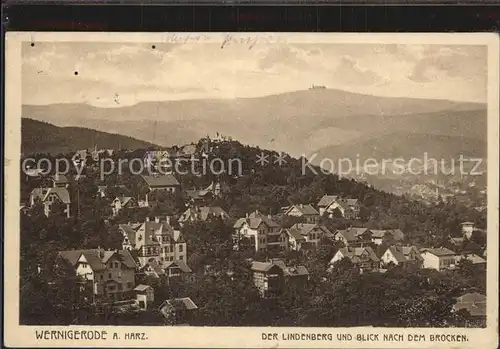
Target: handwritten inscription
x,y
247,40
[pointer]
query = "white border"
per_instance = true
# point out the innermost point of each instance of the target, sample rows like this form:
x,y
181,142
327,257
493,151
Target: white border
x,y
234,337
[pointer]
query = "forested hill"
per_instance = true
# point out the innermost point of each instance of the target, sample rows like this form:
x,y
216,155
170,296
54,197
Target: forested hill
x,y
42,137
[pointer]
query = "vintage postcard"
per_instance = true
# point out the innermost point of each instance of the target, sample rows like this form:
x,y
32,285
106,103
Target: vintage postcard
x,y
230,190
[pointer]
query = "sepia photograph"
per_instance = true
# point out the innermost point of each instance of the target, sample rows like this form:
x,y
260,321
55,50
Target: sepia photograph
x,y
251,190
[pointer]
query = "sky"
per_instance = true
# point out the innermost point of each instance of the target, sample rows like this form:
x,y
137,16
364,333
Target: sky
x,y
117,74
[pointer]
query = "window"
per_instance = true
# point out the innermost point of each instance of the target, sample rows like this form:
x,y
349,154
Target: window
x,y
111,287
102,277
181,258
109,276
129,284
180,248
120,287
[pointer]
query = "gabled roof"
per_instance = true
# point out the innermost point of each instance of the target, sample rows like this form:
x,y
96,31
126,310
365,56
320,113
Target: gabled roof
x,y
440,252
474,258
43,193
179,304
167,180
124,200
287,270
142,288
474,303
402,253
327,200
60,179
357,254
263,266
291,270
351,202
178,263
203,213
397,234
296,234
254,220
97,258
306,210
352,234
305,228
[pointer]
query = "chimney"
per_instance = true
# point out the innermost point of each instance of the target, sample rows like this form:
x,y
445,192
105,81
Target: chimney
x,y
147,219
246,215
269,216
157,219
147,204
168,220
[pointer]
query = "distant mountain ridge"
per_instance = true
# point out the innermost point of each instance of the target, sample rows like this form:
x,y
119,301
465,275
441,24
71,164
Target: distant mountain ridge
x,y
42,137
296,122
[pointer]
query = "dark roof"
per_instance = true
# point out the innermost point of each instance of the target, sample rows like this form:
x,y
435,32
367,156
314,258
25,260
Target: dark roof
x,y
255,219
397,234
142,288
351,234
306,210
287,270
97,258
203,212
441,251
327,200
356,254
474,258
124,200
402,253
181,264
60,179
474,303
304,229
179,304
167,180
43,193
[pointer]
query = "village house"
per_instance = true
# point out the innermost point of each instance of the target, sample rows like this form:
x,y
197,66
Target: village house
x,y
154,240
467,229
188,151
363,258
145,296
203,213
354,236
271,277
110,273
102,190
162,182
438,258
49,196
308,213
60,181
478,263
349,208
214,190
391,236
407,256
475,305
178,311
262,232
123,202
306,235
79,157
175,269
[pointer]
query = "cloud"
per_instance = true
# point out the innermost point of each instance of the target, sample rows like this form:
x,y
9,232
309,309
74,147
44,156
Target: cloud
x,y
137,72
351,72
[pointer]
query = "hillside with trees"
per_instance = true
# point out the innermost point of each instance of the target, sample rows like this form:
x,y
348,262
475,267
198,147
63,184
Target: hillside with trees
x,y
42,137
340,298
